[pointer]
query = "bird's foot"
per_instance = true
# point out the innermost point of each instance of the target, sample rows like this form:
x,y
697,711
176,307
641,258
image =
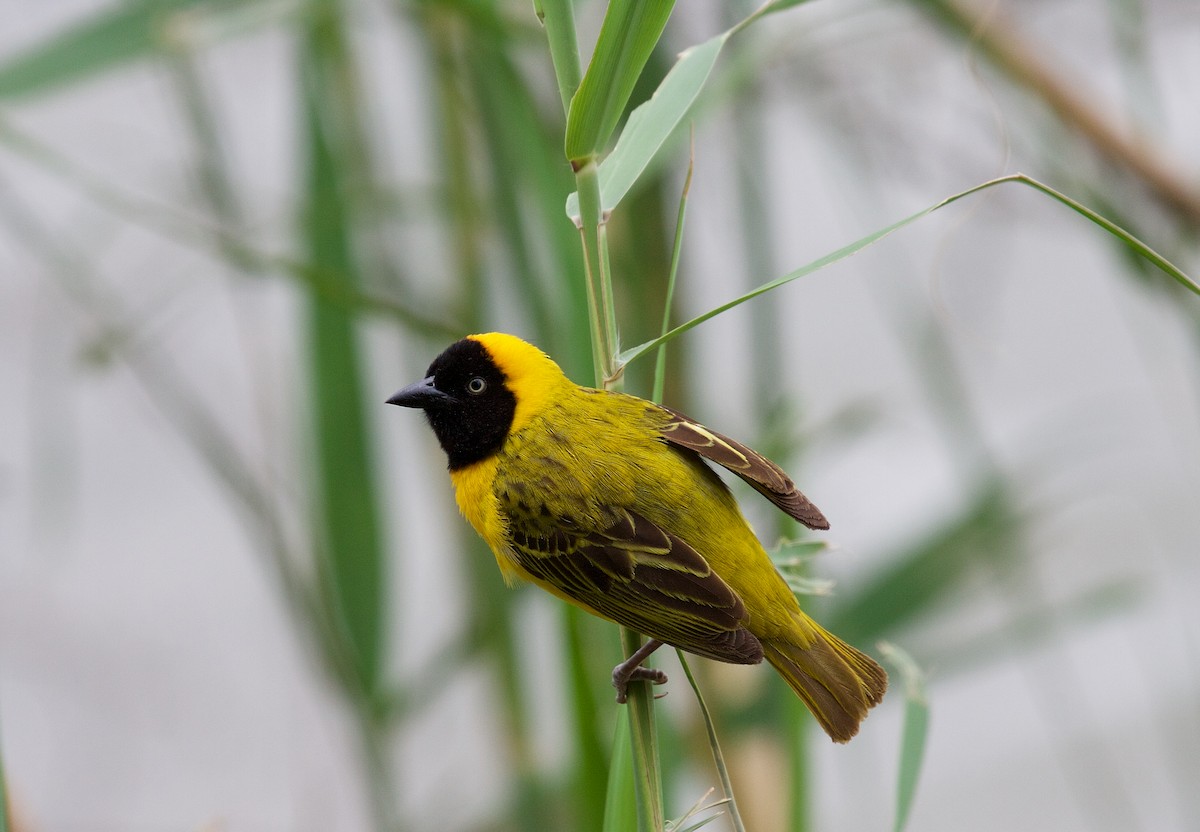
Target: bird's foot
x,y
639,674
631,670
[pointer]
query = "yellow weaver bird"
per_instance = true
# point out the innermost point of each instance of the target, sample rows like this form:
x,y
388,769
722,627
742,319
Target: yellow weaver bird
x,y
605,500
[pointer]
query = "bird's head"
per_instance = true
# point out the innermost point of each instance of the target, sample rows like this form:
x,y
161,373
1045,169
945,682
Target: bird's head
x,y
481,389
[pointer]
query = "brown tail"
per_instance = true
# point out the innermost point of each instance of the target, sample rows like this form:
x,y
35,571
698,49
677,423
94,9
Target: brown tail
x,y
838,683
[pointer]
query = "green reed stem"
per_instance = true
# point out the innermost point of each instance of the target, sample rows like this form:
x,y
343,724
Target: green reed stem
x,y
558,18
559,22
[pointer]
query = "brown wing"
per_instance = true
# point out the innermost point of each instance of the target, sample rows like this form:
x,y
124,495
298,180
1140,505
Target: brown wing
x,y
764,476
642,577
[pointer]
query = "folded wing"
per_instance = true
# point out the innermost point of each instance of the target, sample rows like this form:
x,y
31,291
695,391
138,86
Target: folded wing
x,y
642,577
764,476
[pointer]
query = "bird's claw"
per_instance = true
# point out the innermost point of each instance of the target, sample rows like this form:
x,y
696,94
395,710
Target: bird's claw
x,y
622,678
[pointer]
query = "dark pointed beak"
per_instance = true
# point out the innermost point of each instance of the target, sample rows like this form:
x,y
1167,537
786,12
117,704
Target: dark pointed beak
x,y
422,394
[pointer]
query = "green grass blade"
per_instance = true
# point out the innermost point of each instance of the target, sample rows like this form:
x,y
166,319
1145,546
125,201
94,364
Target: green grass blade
x,y
630,31
735,817
916,729
651,124
115,36
660,368
349,523
1135,245
633,353
121,34
620,806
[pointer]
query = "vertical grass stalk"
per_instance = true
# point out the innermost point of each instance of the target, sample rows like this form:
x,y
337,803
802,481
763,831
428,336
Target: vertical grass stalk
x,y
599,282
559,23
660,360
557,16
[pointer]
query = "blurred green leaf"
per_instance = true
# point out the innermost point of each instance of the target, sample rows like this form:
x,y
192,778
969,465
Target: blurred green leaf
x,y
1033,627
914,581
353,565
591,757
787,550
801,584
916,729
541,246
792,557
630,31
118,35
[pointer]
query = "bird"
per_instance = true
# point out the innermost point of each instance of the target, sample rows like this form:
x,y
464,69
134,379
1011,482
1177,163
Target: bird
x,y
607,501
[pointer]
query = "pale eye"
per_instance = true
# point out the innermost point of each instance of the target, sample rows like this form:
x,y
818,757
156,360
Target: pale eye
x,y
476,386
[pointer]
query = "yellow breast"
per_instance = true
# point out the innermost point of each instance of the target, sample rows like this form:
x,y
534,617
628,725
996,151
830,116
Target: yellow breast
x,y
477,501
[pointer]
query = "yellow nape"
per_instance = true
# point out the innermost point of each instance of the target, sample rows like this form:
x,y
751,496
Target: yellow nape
x,y
531,375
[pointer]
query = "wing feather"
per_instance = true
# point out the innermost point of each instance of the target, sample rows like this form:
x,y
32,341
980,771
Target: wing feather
x,y
764,476
642,577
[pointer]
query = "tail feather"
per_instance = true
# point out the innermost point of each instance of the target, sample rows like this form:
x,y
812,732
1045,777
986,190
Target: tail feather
x,y
838,683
